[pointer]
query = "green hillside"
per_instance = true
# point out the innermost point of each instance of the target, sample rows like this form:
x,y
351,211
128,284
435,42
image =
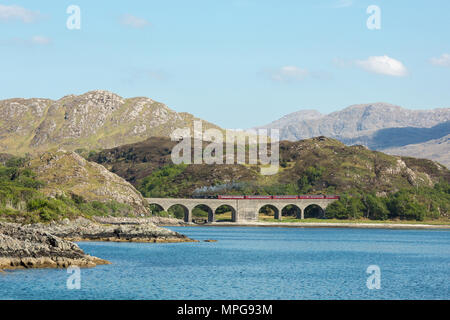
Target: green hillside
x,y
24,197
369,181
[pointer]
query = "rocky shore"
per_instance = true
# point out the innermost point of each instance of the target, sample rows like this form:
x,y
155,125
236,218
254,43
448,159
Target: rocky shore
x,y
51,245
158,221
23,247
111,229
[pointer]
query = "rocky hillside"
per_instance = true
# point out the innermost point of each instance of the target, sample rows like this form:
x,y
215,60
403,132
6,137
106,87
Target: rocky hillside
x,y
378,126
95,120
137,161
328,165
67,173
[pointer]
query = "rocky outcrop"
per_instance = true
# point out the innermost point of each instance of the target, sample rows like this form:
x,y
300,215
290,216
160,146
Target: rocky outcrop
x,y
111,229
51,246
67,173
24,247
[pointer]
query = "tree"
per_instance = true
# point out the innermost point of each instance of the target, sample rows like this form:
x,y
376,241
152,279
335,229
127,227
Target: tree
x,y
346,208
303,184
404,206
376,208
336,210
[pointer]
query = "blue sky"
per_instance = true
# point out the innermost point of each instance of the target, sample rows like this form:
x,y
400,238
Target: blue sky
x,y
237,63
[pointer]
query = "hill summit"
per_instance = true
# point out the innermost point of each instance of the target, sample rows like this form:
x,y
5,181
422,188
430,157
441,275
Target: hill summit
x,y
94,120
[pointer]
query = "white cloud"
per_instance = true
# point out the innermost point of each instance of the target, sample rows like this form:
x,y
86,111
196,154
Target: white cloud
x,y
289,73
383,65
133,21
14,12
442,61
40,40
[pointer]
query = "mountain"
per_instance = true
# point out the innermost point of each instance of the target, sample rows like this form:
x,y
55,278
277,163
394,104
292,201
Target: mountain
x,y
355,121
438,150
384,139
378,126
103,120
94,120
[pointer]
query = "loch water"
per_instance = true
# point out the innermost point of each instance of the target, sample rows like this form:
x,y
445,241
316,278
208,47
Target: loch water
x,y
255,263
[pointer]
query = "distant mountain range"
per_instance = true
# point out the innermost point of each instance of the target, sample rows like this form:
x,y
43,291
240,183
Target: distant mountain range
x,y
100,120
379,126
438,149
94,120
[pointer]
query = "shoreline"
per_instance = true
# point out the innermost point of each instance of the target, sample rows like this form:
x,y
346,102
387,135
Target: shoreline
x,y
343,225
52,246
136,240
28,263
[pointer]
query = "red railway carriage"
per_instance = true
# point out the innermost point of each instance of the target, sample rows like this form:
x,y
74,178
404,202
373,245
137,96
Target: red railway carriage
x,y
304,197
258,197
285,197
231,197
311,197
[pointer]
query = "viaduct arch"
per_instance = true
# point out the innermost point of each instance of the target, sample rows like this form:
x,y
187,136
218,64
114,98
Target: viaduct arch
x,y
242,210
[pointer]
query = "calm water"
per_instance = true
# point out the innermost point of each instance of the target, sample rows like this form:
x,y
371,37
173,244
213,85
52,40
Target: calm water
x,y
255,263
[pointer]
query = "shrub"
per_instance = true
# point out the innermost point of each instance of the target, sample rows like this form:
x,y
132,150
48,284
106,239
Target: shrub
x,y
163,214
310,177
160,183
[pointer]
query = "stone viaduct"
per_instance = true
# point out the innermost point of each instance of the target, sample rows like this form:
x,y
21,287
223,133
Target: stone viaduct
x,y
242,210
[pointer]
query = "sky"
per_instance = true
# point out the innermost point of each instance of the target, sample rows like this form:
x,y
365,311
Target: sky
x,y
236,63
